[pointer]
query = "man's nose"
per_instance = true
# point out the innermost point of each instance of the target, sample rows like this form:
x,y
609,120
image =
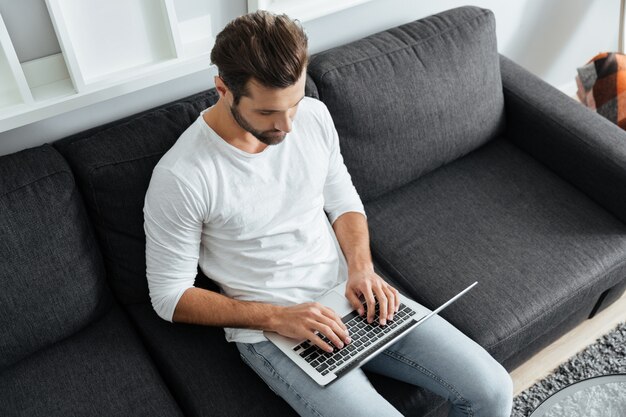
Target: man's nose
x,y
283,123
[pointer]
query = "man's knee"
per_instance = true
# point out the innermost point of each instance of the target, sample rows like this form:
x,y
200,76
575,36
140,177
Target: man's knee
x,y
497,396
490,393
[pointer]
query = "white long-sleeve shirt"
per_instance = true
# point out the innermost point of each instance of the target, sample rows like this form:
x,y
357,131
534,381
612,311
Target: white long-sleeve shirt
x,y
254,223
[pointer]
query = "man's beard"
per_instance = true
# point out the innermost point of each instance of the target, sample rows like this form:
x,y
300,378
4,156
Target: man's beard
x,y
270,137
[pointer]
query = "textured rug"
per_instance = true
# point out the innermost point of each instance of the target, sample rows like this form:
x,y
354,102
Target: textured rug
x,y
606,356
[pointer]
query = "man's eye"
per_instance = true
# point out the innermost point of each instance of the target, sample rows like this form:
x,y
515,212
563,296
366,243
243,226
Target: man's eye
x,y
265,113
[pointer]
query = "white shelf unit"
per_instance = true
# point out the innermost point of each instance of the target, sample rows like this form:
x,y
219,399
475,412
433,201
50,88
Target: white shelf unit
x,y
193,31
48,78
109,48
14,90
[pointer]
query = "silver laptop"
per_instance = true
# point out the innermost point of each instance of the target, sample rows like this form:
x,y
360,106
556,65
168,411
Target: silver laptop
x,y
367,339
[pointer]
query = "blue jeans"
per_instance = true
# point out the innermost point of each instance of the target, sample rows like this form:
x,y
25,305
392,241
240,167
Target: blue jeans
x,y
435,355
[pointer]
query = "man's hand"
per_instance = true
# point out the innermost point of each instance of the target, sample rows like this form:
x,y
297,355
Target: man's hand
x,y
302,321
353,236
366,283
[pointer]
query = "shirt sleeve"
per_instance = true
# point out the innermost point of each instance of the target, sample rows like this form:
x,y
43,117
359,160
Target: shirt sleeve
x,y
173,219
340,196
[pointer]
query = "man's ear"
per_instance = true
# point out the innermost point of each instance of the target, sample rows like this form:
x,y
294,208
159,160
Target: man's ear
x,y
220,86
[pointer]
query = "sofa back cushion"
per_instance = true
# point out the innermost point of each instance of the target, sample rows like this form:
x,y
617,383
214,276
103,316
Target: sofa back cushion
x,y
51,274
113,165
410,99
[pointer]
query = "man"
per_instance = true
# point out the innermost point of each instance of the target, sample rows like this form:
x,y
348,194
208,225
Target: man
x,y
261,200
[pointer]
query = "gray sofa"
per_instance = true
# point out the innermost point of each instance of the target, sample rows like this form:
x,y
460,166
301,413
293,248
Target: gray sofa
x,y
470,168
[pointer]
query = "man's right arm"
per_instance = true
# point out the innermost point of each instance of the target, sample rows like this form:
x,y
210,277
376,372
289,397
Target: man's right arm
x,y
173,220
200,306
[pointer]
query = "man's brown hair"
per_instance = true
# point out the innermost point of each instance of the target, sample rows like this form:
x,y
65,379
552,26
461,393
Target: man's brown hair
x,y
270,48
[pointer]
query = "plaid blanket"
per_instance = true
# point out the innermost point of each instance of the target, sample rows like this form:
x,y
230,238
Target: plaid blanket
x,y
602,86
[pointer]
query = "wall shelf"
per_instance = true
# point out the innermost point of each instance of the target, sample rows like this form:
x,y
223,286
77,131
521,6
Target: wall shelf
x,y
48,78
14,91
108,49
193,26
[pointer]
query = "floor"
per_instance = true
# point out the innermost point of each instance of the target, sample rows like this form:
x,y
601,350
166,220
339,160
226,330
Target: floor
x,y
542,364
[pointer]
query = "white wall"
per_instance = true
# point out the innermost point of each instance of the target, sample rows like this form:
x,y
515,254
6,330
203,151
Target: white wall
x,y
551,38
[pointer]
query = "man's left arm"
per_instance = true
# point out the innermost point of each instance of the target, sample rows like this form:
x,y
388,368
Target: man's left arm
x,y
347,215
353,237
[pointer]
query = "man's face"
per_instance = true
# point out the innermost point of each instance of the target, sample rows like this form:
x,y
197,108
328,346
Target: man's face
x,y
267,113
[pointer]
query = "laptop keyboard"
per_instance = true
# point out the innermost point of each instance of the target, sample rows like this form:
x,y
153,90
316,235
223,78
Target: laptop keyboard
x,y
364,336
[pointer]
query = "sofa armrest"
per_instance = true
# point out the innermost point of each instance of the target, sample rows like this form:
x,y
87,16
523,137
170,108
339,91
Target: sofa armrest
x,y
576,143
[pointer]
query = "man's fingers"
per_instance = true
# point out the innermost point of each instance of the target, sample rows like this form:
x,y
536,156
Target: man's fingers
x,y
317,341
355,302
330,313
371,304
331,334
397,295
339,331
382,305
391,302
313,321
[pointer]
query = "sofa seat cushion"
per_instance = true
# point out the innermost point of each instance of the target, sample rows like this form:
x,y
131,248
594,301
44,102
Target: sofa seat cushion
x,y
537,246
102,370
113,165
52,280
205,373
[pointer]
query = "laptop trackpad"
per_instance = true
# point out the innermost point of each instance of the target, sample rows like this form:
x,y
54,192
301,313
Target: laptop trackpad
x,y
337,302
